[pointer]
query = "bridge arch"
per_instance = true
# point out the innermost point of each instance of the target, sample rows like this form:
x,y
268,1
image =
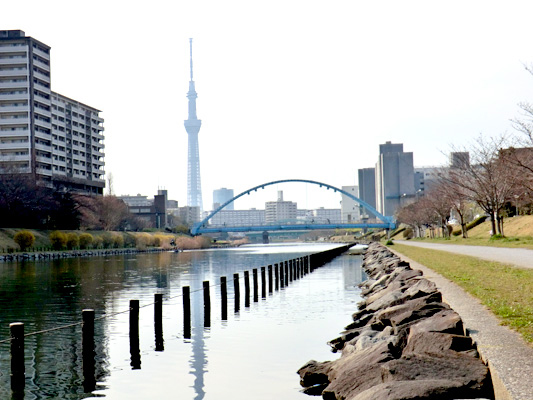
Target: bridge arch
x,y
386,220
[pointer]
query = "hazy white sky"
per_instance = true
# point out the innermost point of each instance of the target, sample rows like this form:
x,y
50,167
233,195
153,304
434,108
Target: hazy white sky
x,y
286,89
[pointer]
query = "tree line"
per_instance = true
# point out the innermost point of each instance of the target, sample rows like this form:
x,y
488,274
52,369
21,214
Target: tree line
x,y
497,180
24,203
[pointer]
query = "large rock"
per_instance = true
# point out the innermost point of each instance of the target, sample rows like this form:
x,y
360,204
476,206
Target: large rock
x,y
404,343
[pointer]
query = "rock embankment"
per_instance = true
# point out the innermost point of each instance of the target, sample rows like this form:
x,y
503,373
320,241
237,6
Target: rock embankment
x,y
51,255
404,343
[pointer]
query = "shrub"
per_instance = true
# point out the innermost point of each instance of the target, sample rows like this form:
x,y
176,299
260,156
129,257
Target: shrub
x,y
58,240
98,242
476,222
142,240
389,242
86,239
73,240
107,240
408,233
129,240
118,240
24,239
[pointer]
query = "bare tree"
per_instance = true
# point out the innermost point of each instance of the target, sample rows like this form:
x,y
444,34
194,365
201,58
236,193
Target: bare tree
x,y
486,180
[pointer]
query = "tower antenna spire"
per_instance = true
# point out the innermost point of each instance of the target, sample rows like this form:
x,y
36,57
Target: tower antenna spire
x,y
190,45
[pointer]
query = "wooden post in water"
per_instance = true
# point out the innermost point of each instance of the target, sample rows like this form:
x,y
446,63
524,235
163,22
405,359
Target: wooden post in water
x,y
246,289
135,351
270,285
88,353
236,292
224,298
263,283
276,276
256,294
299,267
186,291
158,321
207,305
291,267
18,370
286,273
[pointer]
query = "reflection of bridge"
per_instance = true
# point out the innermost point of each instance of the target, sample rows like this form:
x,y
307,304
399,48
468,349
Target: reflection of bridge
x,y
381,221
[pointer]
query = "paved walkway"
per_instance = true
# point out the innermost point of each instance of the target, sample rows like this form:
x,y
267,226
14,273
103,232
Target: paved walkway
x,y
519,257
508,356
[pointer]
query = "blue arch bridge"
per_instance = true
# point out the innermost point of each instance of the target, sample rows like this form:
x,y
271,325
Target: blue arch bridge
x,y
378,221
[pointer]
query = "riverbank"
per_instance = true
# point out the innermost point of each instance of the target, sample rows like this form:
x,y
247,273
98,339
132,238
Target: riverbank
x,y
404,343
509,357
518,233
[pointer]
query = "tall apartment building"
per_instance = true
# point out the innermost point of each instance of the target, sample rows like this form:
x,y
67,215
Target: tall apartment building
x,y
58,141
395,180
280,210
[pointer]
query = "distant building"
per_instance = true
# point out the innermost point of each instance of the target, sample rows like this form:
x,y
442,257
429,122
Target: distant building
x,y
252,217
350,212
459,159
189,215
220,196
426,178
153,211
367,186
395,181
54,139
327,215
280,210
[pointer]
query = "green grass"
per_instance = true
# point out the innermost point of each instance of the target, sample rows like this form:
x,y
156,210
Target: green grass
x,y
507,291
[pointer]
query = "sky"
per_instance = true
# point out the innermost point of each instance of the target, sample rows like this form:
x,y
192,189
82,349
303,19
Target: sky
x,y
287,89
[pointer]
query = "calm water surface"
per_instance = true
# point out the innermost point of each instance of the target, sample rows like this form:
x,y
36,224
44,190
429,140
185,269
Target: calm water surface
x,y
254,354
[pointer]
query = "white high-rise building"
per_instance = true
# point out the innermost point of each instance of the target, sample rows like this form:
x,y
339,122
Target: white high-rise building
x,y
280,210
350,209
54,139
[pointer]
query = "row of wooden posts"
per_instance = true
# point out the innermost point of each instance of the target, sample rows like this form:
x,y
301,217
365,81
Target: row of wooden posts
x,y
279,276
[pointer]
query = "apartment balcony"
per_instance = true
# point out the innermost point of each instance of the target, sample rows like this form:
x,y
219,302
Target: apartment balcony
x,y
43,135
44,172
41,53
15,134
43,147
14,97
13,158
25,146
42,77
60,163
14,121
10,109
14,61
43,124
13,85
17,72
43,112
14,49
42,65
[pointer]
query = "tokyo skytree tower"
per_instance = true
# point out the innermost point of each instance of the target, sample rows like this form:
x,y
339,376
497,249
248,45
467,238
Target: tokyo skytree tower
x,y
192,126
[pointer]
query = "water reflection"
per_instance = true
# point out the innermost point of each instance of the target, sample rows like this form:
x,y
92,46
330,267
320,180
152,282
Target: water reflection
x,y
198,361
45,295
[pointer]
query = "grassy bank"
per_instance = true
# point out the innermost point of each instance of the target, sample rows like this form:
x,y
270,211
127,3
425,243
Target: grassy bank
x,y
518,233
505,290
108,240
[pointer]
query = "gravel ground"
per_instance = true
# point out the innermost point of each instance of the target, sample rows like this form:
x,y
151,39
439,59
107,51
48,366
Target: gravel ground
x,y
509,357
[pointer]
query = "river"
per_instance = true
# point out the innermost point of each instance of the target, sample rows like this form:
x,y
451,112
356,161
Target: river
x,y
253,354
